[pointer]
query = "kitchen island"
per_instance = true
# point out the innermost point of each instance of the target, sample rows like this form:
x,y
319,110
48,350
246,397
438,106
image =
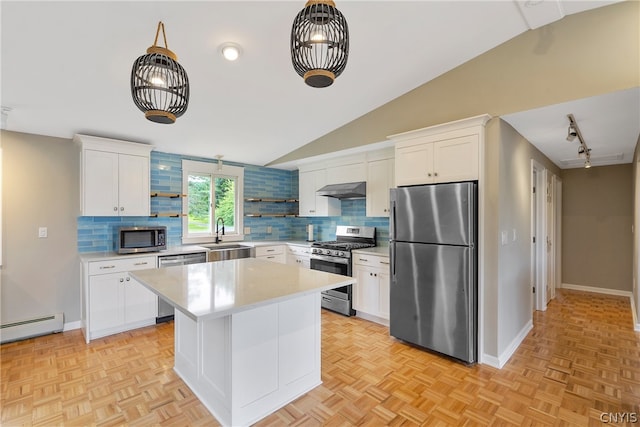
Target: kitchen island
x,y
247,332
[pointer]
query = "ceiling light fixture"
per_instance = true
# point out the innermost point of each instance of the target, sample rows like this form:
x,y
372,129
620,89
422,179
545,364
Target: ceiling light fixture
x,y
159,85
583,150
571,133
319,43
230,51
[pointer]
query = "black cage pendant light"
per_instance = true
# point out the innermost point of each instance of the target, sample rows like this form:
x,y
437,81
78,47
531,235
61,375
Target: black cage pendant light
x,y
319,43
159,85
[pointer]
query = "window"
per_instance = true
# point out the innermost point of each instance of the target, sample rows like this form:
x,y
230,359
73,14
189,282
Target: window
x,y
214,197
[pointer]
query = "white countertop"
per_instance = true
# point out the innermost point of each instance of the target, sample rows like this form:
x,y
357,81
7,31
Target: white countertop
x,y
376,250
109,255
216,289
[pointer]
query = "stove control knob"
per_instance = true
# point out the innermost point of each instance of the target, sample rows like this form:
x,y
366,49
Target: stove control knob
x,y
341,254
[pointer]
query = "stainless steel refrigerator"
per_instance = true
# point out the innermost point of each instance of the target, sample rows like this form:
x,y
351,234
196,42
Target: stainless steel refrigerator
x,y
434,267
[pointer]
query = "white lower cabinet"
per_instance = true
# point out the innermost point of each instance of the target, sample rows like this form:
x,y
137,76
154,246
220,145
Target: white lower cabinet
x,y
371,292
113,302
299,255
274,253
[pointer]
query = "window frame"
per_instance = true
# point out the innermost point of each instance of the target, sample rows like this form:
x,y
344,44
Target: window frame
x,y
191,167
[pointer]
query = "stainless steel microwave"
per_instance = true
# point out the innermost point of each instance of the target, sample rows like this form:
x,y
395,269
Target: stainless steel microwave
x,y
133,240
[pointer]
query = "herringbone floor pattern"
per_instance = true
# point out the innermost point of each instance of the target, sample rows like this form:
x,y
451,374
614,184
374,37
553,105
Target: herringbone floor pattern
x,y
581,359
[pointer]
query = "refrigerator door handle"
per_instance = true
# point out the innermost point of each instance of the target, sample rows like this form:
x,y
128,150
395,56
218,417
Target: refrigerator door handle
x,y
392,220
392,256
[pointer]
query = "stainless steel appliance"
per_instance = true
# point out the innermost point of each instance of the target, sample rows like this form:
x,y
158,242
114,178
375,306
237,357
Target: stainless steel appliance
x,y
165,310
335,257
434,267
131,240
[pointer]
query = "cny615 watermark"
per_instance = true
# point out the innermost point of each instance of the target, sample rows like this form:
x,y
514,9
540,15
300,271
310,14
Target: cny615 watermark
x,y
619,417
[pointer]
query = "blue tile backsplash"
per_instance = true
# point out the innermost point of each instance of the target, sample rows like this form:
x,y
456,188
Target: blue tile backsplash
x,y
96,234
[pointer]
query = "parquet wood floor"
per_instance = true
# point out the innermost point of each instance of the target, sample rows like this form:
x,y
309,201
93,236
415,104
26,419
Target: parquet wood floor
x,y
581,359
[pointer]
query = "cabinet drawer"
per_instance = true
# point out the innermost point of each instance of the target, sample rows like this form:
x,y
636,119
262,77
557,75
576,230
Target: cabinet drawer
x,y
269,250
121,265
299,250
370,260
274,258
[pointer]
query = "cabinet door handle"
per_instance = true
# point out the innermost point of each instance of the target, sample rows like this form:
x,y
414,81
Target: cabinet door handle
x,y
270,250
435,174
115,209
363,259
270,257
121,208
106,267
384,262
141,263
128,278
121,280
429,174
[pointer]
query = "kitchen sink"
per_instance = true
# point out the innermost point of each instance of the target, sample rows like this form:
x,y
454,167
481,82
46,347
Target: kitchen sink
x,y
221,252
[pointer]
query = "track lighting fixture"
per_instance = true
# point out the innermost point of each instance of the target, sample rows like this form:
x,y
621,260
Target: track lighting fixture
x,y
573,132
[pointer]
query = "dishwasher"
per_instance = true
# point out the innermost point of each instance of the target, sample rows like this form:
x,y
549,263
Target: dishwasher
x,y
165,310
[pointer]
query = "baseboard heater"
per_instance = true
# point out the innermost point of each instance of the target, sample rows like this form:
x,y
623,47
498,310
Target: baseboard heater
x,y
34,327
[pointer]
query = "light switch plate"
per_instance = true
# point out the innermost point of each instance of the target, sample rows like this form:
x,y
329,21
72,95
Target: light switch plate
x,y
42,232
505,238
268,229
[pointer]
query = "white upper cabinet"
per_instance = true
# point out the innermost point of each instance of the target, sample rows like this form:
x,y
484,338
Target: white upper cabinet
x,y
311,204
352,172
379,182
443,153
114,177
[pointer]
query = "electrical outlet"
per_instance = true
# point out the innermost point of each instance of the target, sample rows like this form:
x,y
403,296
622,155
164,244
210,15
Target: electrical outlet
x,y
268,229
247,230
42,232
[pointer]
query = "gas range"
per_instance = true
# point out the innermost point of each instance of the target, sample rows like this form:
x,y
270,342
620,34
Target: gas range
x,y
348,238
335,257
338,249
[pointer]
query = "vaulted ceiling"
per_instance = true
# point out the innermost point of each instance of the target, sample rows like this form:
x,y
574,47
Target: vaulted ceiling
x,y
66,67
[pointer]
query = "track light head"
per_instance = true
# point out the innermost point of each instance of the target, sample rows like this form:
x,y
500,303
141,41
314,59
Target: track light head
x,y
571,133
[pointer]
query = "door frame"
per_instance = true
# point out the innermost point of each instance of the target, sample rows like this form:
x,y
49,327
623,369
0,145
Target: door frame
x,y
537,239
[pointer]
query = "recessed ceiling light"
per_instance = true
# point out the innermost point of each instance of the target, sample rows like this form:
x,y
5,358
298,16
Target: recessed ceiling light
x,y
230,51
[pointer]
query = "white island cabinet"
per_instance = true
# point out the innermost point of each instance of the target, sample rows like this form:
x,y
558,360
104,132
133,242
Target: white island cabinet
x,y
247,332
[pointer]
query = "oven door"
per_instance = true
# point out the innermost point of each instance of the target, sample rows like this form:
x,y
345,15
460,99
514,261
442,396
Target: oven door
x,y
336,266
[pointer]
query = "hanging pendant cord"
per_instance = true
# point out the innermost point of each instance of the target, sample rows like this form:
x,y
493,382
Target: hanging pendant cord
x,y
164,36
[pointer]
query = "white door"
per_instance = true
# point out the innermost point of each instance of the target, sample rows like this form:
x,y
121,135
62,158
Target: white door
x,y
139,302
100,185
414,164
133,186
379,176
456,159
550,246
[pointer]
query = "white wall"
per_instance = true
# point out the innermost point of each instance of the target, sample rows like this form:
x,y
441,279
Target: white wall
x,y
507,280
40,189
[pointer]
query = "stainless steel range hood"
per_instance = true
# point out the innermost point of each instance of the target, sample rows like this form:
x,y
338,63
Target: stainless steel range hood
x,y
349,190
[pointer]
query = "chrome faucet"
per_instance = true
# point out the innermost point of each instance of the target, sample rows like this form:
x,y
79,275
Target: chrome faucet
x,y
218,240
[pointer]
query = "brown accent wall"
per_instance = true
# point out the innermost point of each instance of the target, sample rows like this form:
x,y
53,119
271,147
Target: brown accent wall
x,y
597,219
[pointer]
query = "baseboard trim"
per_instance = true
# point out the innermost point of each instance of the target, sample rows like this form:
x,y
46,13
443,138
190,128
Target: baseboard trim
x,y
634,313
597,290
616,292
70,326
503,358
